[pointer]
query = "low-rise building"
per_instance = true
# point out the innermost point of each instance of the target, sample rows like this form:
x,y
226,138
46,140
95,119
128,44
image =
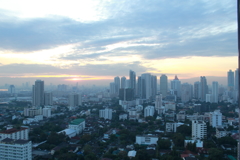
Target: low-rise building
x,y
109,133
220,132
146,139
78,125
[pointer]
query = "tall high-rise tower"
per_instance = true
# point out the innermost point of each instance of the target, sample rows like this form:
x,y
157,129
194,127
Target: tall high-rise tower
x,y
154,86
163,85
146,86
236,80
197,90
215,92
204,88
132,80
230,79
38,93
176,86
117,84
123,82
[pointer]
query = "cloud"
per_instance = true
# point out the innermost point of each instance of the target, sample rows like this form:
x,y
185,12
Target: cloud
x,y
18,70
151,29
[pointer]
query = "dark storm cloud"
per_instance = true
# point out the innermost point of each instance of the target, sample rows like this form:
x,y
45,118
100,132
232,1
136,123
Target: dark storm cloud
x,y
171,23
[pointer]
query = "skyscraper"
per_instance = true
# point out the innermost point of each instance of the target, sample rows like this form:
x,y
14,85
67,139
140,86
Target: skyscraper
x,y
176,86
139,87
158,102
132,80
146,86
236,80
204,88
123,82
215,92
75,100
163,85
112,89
230,80
186,92
117,84
48,98
38,93
197,90
154,86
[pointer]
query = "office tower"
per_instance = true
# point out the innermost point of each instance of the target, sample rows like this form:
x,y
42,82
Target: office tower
x,y
132,80
11,90
236,80
148,111
146,86
123,82
117,84
163,85
199,130
75,100
105,113
215,92
48,98
230,80
216,118
154,86
186,92
158,102
38,93
197,90
204,88
112,89
176,86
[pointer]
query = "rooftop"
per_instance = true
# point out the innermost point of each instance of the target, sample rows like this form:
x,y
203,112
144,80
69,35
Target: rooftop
x,y
77,121
12,141
12,130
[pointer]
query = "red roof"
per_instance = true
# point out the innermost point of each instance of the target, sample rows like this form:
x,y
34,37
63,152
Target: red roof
x,y
13,130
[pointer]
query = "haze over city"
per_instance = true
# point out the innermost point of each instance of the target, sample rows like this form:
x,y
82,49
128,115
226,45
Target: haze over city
x,y
91,42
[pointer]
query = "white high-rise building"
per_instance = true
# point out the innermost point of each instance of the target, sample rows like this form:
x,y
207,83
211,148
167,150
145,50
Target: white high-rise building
x,y
75,100
163,85
216,118
176,86
105,113
209,98
48,98
123,82
148,111
199,130
47,112
38,93
11,90
215,92
12,149
146,86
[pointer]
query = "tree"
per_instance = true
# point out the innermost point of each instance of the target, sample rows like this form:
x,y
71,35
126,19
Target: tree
x,y
215,154
164,143
185,130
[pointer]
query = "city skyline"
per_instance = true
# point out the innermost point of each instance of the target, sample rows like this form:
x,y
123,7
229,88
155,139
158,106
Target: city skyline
x,y
92,42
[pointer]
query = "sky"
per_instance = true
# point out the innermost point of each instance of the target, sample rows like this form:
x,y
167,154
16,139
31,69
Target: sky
x,y
93,41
